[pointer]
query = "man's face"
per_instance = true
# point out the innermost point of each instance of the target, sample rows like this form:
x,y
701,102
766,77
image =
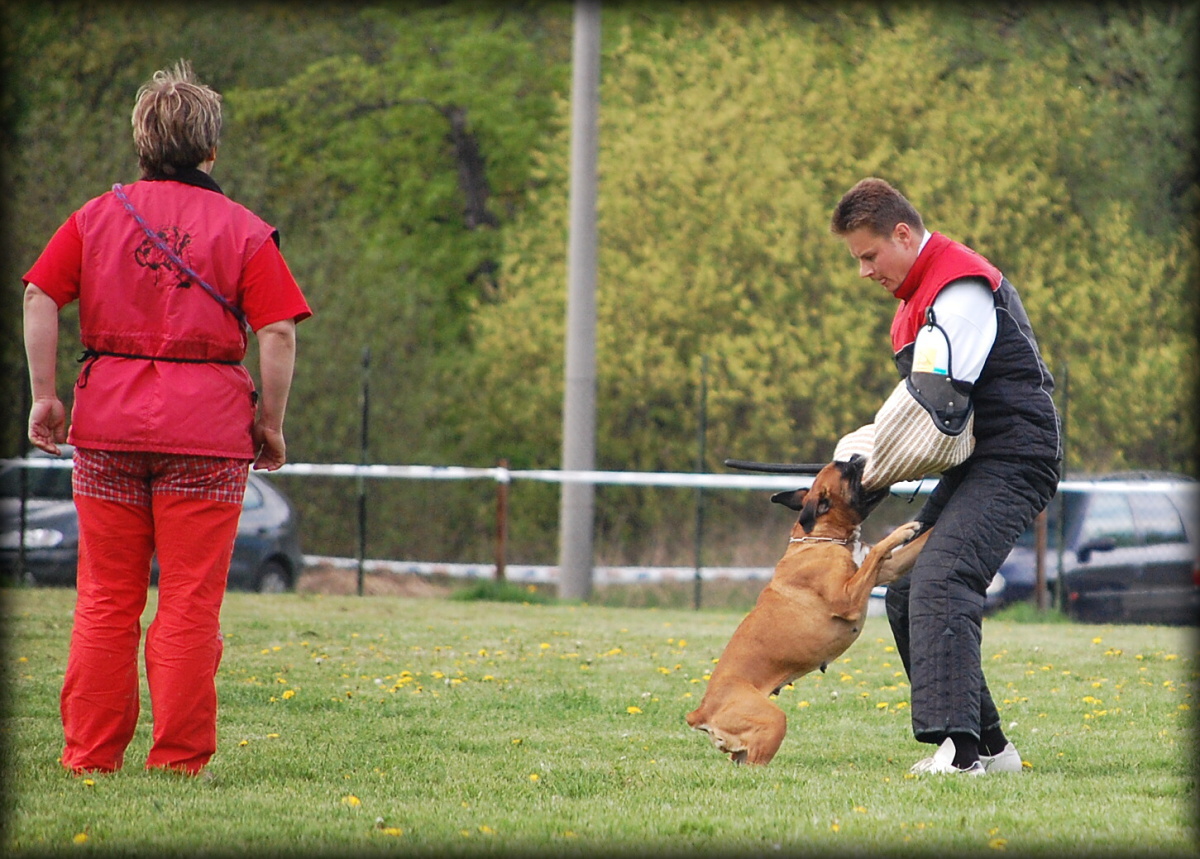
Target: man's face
x,y
886,259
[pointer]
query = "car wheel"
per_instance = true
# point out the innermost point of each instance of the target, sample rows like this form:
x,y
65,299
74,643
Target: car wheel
x,y
273,578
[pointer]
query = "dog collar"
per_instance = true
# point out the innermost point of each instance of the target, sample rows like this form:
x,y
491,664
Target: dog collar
x,y
845,542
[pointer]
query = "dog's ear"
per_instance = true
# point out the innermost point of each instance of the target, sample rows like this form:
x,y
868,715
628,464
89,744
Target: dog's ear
x,y
793,499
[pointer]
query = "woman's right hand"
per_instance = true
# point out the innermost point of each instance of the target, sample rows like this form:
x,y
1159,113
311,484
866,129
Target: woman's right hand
x,y
272,449
48,424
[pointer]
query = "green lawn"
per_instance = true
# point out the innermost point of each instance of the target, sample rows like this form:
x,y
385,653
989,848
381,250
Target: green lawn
x,y
381,724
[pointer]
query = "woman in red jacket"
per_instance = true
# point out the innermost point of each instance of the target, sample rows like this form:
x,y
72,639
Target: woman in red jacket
x,y
170,276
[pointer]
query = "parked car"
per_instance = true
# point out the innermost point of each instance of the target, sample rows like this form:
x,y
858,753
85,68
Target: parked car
x,y
266,552
1130,551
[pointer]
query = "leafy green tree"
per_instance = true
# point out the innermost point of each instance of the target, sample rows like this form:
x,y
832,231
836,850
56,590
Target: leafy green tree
x,y
722,151
414,156
70,72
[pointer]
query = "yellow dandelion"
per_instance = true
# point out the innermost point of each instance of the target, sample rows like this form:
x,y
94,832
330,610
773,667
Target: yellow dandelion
x,y
534,776
487,830
273,736
633,710
351,800
89,782
289,694
802,705
545,645
395,831
244,743
80,838
998,843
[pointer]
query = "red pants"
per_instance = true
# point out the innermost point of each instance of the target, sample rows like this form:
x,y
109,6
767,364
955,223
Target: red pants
x,y
130,506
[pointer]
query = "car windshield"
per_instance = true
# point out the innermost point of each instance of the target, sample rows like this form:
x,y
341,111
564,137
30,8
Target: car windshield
x,y
53,483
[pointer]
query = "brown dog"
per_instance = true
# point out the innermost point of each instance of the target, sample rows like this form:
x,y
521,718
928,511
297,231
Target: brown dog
x,y
810,612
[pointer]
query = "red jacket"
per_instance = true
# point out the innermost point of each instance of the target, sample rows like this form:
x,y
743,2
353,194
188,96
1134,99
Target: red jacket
x,y
940,262
133,301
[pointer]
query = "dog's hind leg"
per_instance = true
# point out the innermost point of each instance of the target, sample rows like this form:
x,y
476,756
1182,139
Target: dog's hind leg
x,y
765,739
749,729
753,729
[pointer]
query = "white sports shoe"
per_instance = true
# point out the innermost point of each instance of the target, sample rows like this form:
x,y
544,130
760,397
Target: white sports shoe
x,y
942,763
1008,761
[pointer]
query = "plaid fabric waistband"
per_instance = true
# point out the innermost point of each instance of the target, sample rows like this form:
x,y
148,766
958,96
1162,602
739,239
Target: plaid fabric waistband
x,y
135,477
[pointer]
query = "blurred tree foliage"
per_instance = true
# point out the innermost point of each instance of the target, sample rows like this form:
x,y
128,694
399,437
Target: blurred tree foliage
x,y
414,156
723,148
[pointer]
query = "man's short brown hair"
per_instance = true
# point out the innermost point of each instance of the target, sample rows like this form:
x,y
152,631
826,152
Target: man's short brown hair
x,y
176,121
874,204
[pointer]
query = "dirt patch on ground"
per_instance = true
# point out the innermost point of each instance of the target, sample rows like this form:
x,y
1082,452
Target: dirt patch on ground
x,y
326,579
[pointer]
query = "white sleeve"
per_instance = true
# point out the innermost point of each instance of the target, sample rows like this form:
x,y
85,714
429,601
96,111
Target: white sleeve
x,y
966,311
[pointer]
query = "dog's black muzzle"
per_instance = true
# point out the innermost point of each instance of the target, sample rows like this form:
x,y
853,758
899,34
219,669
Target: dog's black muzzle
x,y
863,501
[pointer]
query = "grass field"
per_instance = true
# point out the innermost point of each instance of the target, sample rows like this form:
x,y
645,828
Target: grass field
x,y
353,726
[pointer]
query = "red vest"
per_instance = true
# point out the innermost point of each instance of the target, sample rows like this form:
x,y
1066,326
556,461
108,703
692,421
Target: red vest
x,y
940,262
134,301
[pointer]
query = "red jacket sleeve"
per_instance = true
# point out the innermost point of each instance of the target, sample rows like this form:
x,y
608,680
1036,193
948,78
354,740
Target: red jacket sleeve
x,y
269,292
57,271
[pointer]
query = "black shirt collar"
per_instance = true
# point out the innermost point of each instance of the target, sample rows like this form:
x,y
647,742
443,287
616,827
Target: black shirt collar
x,y
188,176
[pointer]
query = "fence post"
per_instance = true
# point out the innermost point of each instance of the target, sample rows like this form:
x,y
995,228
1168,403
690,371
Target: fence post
x,y
1039,534
702,433
501,518
365,404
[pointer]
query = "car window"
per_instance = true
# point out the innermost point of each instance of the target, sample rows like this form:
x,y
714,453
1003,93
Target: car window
x,y
1109,516
253,498
1186,502
52,483
1072,501
1157,519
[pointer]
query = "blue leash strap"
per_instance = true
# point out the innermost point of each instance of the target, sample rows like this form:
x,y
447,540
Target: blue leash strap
x,y
177,260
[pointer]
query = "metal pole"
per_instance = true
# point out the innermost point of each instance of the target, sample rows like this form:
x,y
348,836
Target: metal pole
x,y
579,394
501,522
365,404
1061,586
702,432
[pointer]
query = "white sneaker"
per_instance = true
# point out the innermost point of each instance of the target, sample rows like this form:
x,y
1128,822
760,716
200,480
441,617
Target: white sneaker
x,y
942,763
1008,761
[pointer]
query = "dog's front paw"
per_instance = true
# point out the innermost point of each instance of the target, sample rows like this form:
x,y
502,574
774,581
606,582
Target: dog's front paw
x,y
910,531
